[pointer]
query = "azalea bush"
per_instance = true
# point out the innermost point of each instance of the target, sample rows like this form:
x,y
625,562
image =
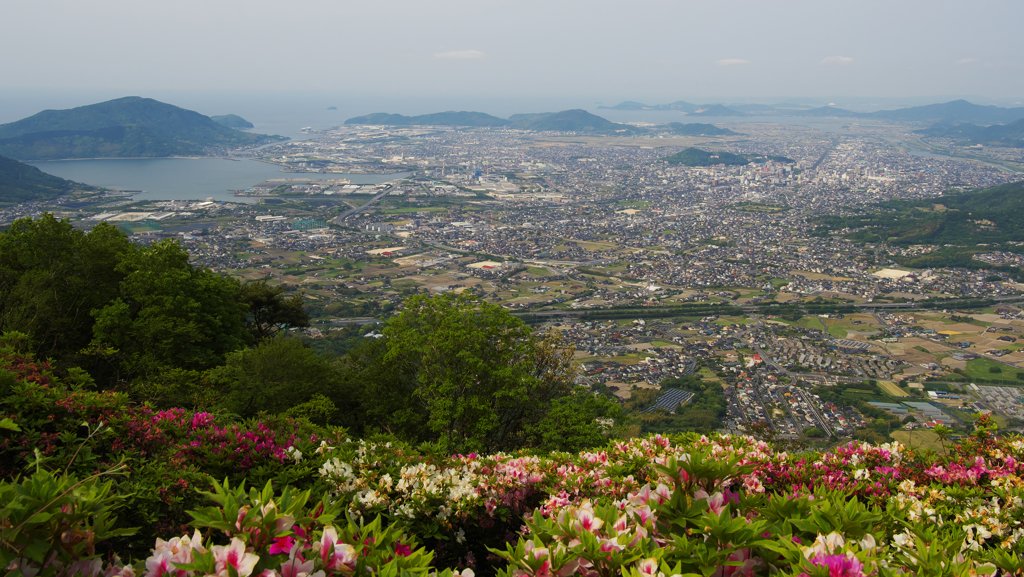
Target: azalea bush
x,y
92,484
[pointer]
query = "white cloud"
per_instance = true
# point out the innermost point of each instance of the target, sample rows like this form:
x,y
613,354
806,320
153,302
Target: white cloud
x,y
461,55
732,62
964,61
840,60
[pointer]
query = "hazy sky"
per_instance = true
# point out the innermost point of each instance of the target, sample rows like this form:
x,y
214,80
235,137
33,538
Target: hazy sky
x,y
649,50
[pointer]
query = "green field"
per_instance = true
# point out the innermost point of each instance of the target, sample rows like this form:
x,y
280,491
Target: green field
x,y
415,209
979,369
891,388
923,439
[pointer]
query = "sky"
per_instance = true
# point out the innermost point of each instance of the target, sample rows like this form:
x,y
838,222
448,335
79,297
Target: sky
x,y
653,51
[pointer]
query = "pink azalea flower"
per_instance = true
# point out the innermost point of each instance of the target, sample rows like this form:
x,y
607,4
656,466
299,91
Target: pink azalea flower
x,y
234,555
333,553
282,545
840,565
296,567
648,567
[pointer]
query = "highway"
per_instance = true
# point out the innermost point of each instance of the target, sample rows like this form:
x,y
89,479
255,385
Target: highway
x,y
350,212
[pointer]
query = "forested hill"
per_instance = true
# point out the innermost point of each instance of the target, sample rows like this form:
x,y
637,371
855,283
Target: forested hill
x,y
1011,134
698,129
232,121
20,182
989,215
698,157
121,128
576,120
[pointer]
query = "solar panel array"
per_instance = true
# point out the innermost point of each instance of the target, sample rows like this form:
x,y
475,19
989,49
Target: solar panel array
x,y
670,400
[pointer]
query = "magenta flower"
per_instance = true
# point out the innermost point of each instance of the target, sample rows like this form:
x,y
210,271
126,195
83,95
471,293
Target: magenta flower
x,y
282,545
839,565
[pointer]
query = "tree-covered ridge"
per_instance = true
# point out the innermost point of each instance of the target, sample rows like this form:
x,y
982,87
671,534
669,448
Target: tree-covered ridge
x,y
989,215
576,120
20,182
1011,134
125,127
698,129
698,157
232,121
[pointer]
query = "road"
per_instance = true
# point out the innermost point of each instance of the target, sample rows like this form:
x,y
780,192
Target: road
x,y
350,212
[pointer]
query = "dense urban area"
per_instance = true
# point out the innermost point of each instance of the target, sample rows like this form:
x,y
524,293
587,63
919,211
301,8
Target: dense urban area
x,y
677,285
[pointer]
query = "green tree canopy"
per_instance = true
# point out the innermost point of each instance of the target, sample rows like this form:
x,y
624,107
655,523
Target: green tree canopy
x,y
277,375
52,275
169,314
462,371
269,312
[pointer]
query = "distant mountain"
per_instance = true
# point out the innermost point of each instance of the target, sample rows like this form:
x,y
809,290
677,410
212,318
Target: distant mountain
x,y
826,111
956,111
716,110
568,121
697,129
627,105
20,182
121,128
680,105
698,157
232,121
449,118
996,135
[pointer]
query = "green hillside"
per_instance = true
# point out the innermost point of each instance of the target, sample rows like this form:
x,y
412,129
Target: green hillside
x,y
698,129
125,127
996,135
576,120
449,118
20,182
698,157
990,215
232,121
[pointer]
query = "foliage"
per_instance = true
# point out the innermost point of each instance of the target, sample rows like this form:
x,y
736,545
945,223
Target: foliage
x,y
463,372
269,312
989,215
51,276
168,314
21,182
275,376
698,157
124,127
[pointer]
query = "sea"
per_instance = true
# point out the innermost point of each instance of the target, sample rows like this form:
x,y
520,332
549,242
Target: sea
x,y
285,114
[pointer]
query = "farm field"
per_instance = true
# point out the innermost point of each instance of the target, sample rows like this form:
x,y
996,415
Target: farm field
x,y
891,388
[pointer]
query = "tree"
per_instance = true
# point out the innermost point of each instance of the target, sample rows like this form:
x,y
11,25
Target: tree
x,y
276,376
575,422
474,375
269,312
943,433
814,432
168,314
52,275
